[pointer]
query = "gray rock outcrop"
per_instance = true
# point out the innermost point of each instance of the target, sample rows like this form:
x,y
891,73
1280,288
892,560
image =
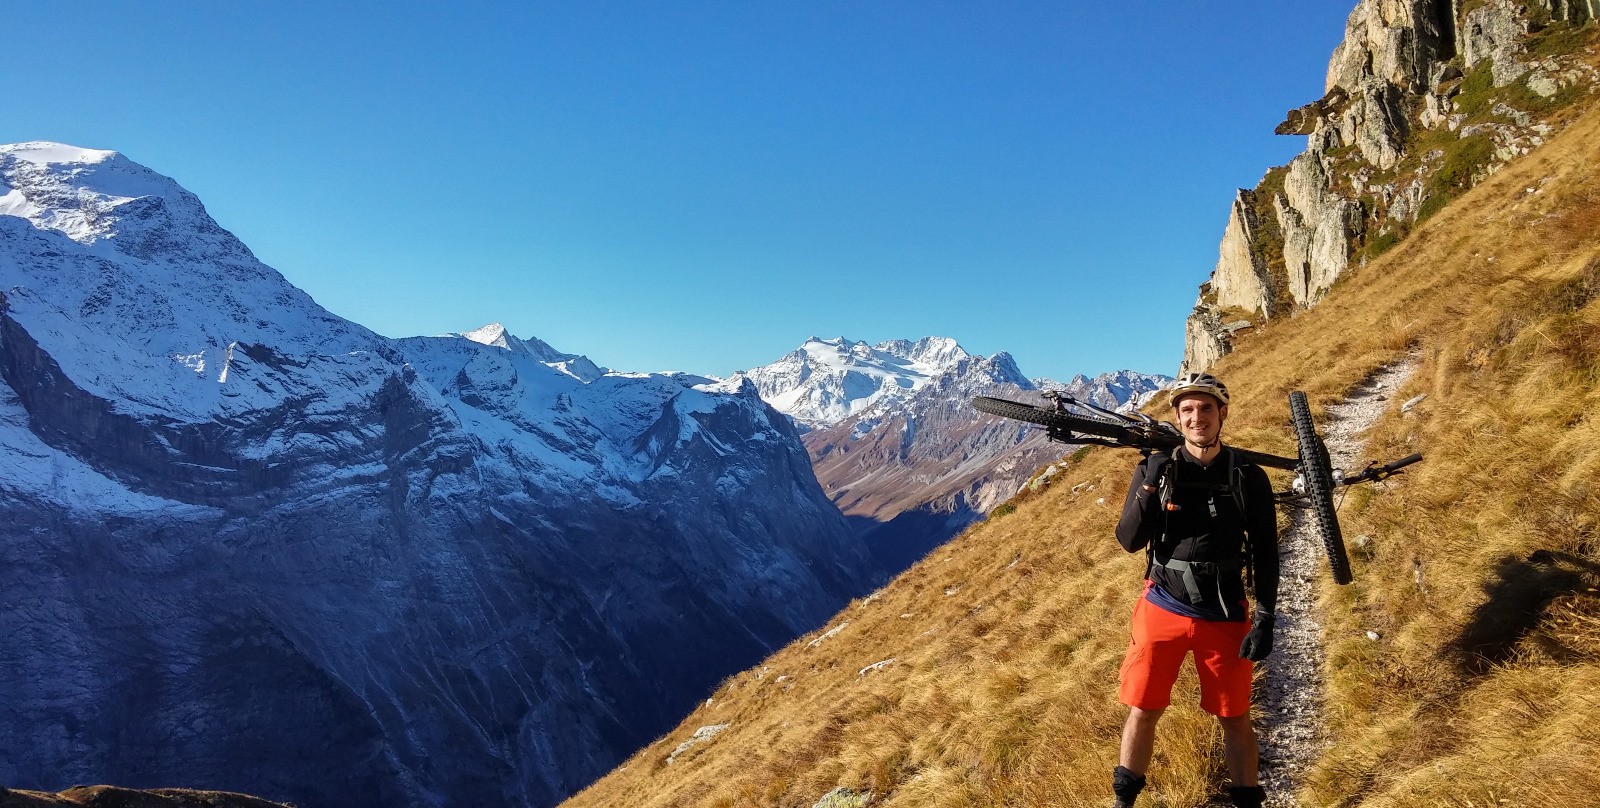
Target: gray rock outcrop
x,y
1316,226
1494,31
1205,341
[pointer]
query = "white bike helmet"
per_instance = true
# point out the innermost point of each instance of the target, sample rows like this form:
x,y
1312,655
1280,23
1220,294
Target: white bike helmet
x,y
1198,383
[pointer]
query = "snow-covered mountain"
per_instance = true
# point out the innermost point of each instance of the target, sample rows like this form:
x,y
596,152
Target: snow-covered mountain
x,y
252,546
1120,391
575,365
896,443
825,381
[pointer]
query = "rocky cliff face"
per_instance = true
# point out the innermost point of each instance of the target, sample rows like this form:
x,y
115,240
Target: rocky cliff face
x,y
1423,99
252,546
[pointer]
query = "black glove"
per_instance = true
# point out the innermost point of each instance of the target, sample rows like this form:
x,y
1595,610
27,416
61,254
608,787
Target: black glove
x,y
1153,467
1258,643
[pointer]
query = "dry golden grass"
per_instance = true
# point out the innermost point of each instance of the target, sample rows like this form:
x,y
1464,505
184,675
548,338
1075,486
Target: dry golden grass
x,y
1484,687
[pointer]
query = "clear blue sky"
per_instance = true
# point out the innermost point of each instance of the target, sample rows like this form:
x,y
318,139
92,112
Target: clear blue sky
x,y
701,185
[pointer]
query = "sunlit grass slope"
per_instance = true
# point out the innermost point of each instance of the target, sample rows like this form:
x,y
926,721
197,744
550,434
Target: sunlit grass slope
x,y
985,675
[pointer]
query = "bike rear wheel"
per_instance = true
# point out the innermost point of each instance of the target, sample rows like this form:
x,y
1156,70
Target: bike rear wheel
x,y
1316,469
1057,421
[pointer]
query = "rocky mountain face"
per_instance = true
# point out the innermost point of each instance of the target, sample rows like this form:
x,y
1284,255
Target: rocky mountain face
x,y
252,546
1423,99
895,441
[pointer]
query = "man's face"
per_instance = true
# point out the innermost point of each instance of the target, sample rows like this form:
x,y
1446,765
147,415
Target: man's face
x,y
1200,418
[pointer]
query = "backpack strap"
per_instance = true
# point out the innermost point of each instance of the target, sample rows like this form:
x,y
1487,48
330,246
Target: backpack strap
x,y
1236,482
1164,487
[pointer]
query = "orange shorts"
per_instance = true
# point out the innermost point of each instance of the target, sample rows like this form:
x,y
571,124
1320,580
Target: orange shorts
x,y
1162,639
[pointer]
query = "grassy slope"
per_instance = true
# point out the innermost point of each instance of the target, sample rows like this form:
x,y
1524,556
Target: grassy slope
x,y
1482,685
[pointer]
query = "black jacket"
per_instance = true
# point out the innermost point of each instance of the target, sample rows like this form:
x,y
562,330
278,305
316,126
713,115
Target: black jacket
x,y
1208,526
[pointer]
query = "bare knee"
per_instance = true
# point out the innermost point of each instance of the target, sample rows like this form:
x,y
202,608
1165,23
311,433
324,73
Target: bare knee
x,y
1138,740
1237,723
1144,717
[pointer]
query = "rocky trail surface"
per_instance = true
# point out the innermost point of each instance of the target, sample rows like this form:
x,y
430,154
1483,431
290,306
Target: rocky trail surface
x,y
1290,695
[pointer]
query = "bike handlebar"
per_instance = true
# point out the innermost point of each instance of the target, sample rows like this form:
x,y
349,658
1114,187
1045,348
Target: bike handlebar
x,y
1374,472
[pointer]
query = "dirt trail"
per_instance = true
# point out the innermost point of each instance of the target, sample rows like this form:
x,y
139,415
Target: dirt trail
x,y
1289,697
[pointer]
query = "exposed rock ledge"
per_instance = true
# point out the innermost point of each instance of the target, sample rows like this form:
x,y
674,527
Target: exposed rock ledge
x,y
113,797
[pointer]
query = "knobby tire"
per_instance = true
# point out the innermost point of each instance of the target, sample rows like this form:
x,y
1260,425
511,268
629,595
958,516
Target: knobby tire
x,y
1317,470
1050,418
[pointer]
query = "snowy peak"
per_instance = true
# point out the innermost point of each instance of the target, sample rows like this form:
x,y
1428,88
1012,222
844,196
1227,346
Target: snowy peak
x,y
494,335
1002,369
933,352
919,464
577,366
83,194
927,356
44,152
884,422
825,381
91,242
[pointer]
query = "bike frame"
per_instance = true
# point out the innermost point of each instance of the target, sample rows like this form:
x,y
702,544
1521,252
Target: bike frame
x,y
1149,435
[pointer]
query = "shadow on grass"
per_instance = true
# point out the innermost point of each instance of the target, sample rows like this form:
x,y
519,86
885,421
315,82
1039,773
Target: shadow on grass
x,y
1518,597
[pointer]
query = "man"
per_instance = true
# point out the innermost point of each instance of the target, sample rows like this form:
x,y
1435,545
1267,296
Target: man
x,y
1206,516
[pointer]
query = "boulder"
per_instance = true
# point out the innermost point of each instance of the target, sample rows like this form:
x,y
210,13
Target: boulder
x,y
842,797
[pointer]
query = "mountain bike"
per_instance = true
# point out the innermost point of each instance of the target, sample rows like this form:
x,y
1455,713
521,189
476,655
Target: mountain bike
x,y
1069,420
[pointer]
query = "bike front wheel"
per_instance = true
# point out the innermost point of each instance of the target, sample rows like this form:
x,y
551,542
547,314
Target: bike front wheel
x,y
1316,469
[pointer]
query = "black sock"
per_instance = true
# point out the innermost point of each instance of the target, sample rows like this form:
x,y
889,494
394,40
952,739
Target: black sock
x,y
1247,796
1126,785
